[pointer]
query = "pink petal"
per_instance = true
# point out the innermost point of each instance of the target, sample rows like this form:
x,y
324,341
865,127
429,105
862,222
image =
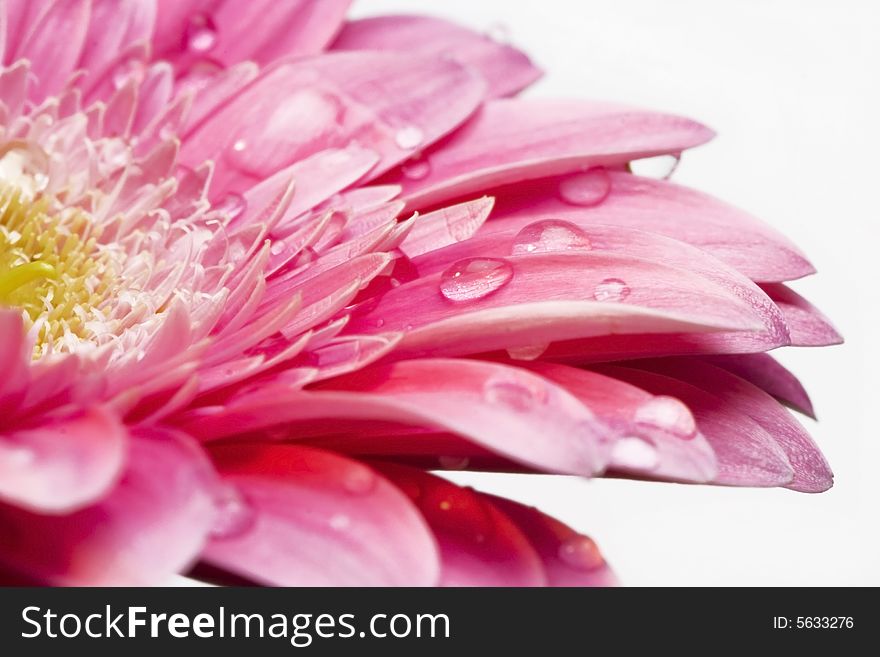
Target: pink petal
x,y
764,372
304,517
514,140
503,409
505,69
658,206
543,297
446,226
747,455
151,525
391,104
14,360
570,558
62,464
664,425
479,545
811,471
808,326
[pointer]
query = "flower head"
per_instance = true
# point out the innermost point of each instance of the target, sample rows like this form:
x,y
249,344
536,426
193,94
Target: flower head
x,y
262,269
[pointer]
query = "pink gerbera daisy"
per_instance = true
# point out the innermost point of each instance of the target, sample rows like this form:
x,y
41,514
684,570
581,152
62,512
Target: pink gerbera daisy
x,y
262,269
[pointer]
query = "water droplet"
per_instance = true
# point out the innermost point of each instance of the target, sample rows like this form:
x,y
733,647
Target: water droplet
x,y
340,522
235,515
239,146
454,462
516,394
611,289
445,505
581,553
660,166
634,452
550,235
359,480
668,414
586,189
379,323
416,168
201,34
277,247
474,278
232,205
530,352
409,137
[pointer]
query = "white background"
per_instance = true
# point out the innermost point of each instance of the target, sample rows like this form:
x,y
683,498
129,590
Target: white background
x,y
791,86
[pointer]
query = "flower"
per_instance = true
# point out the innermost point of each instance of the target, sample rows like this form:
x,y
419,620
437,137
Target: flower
x,y
262,269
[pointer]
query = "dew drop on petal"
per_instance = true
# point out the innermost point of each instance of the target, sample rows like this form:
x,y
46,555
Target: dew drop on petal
x,y
550,235
585,189
201,34
530,352
235,515
359,480
634,452
277,247
416,168
611,289
581,553
661,166
445,505
232,205
339,522
409,137
515,394
474,278
668,414
454,462
239,146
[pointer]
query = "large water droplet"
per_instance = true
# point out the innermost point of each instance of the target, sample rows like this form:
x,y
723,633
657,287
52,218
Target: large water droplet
x,y
416,168
660,166
530,352
581,553
232,205
550,235
634,452
668,414
516,394
611,289
235,515
359,480
409,137
474,278
201,34
586,189
454,462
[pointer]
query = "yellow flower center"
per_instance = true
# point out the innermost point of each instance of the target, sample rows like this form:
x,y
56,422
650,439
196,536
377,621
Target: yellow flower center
x,y
51,267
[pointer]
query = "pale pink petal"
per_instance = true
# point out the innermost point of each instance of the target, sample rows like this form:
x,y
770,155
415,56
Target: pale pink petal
x,y
771,377
509,141
479,545
303,517
449,225
570,558
747,455
150,526
505,69
620,199
14,358
811,471
808,326
61,464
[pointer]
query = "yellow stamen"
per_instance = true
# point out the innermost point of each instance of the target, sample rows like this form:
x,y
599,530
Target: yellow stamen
x,y
17,277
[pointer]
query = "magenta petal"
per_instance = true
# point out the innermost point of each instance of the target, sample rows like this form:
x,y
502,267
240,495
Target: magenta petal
x,y
747,455
505,69
14,360
479,545
808,326
569,558
303,517
811,472
763,371
508,141
150,526
731,235
62,464
506,410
